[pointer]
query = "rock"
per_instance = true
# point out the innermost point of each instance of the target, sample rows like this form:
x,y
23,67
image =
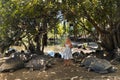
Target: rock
x,y
57,55
9,52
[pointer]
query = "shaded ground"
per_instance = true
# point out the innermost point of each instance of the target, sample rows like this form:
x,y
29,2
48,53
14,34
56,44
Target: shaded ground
x,y
60,72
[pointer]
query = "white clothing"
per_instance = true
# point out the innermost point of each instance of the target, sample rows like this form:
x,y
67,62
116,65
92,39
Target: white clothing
x,y
67,54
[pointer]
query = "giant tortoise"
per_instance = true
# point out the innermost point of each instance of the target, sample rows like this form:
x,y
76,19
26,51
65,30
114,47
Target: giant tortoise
x,y
78,56
11,64
38,63
86,62
102,66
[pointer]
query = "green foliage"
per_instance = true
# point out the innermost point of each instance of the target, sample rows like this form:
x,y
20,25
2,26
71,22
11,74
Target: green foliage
x,y
59,29
24,17
28,16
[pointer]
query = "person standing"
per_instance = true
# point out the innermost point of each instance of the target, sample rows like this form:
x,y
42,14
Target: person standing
x,y
67,54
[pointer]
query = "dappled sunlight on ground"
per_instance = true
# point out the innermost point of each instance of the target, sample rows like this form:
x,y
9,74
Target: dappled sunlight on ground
x,y
59,72
55,48
19,48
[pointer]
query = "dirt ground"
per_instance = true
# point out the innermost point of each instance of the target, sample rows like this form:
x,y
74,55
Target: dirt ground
x,y
60,72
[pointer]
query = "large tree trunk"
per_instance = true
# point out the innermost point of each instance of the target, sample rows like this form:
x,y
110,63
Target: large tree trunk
x,y
111,42
38,44
107,42
44,41
44,35
110,39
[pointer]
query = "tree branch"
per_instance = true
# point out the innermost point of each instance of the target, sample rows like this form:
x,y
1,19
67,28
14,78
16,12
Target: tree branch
x,y
93,22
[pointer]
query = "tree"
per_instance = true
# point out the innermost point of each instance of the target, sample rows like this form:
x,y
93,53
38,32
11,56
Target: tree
x,y
103,15
31,16
30,19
